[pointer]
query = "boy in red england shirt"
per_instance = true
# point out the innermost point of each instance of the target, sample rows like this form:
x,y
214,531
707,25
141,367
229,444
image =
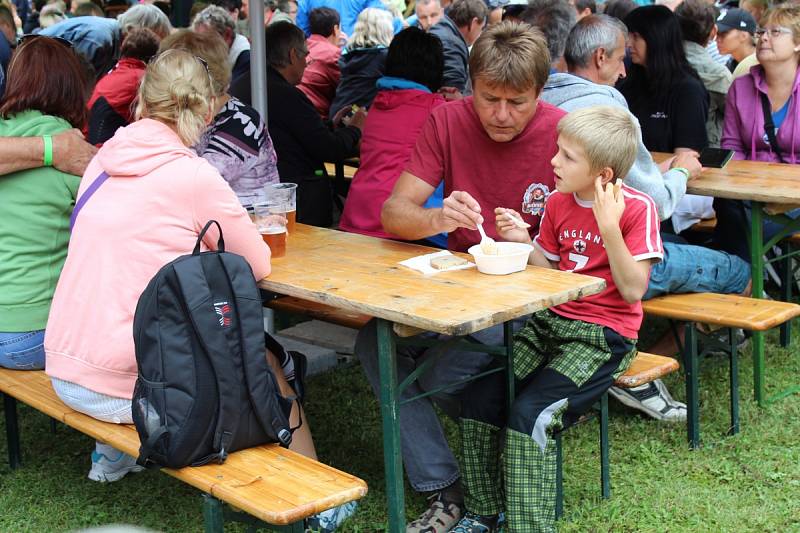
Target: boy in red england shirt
x,y
566,357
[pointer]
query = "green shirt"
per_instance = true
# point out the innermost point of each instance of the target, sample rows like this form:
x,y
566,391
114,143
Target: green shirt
x,y
34,229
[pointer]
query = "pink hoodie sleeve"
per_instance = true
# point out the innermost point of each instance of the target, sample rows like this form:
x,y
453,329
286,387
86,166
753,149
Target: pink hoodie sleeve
x,y
732,130
215,200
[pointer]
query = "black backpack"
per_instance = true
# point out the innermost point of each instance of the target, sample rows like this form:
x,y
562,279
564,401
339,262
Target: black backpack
x,y
204,388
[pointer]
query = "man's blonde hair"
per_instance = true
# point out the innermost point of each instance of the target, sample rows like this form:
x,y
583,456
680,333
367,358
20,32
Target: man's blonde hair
x,y
608,135
511,54
177,90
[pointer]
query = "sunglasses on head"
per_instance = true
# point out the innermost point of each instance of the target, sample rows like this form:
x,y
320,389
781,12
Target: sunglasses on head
x,y
29,37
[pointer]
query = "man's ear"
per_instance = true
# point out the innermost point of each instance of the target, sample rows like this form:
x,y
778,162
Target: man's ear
x,y
599,57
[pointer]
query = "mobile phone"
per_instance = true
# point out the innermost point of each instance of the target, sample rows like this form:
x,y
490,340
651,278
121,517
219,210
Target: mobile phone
x,y
715,157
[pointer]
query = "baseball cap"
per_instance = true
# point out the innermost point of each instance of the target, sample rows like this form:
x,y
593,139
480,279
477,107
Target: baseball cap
x,y
736,19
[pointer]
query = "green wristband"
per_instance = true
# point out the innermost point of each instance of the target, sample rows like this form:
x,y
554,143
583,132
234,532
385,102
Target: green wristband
x,y
47,159
684,171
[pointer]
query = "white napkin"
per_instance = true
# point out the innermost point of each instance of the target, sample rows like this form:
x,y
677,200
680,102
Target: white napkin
x,y
422,263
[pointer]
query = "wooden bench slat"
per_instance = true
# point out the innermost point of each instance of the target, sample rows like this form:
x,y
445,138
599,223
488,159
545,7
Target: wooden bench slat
x,y
320,311
645,368
273,484
729,310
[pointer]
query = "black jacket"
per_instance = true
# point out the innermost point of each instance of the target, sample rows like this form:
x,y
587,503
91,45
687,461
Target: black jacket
x,y
360,69
456,55
303,143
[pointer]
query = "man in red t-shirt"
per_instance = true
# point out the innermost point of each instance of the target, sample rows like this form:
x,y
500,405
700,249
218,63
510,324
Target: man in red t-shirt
x,y
492,150
567,356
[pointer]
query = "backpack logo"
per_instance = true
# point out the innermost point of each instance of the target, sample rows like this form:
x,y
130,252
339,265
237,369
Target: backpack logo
x,y
223,311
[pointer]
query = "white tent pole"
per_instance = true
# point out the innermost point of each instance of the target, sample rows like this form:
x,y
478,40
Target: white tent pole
x,y
258,58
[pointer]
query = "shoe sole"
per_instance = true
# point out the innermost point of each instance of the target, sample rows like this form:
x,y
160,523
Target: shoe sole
x,y
626,400
110,477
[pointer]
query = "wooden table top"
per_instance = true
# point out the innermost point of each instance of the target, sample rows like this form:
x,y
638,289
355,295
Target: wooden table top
x,y
362,274
747,180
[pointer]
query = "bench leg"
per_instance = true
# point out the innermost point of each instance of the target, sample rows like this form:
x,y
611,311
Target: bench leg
x,y
734,369
12,431
605,464
559,477
692,399
213,514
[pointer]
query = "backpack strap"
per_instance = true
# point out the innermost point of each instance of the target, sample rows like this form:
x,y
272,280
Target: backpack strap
x,y
769,126
200,309
99,180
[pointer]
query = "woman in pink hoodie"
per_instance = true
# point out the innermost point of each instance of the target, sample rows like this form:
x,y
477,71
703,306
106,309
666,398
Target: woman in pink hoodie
x,y
149,211
407,95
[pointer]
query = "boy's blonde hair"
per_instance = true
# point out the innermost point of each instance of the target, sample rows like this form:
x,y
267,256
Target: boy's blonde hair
x,y
609,137
373,28
177,90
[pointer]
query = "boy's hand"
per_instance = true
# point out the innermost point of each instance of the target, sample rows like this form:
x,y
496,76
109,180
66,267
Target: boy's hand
x,y
507,230
609,204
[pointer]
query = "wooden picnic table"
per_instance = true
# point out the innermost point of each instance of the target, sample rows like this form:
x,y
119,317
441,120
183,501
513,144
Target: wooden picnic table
x,y
362,274
772,189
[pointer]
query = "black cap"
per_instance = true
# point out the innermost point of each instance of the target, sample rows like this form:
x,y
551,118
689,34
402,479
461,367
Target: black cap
x,y
736,19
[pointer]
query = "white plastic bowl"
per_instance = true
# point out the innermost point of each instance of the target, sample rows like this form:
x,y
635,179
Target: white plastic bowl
x,y
512,257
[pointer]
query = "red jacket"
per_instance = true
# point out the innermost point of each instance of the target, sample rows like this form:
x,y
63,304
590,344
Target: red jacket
x,y
390,133
322,73
112,103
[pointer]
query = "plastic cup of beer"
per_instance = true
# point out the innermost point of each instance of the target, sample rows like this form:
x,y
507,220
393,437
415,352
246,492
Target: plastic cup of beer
x,y
286,193
271,222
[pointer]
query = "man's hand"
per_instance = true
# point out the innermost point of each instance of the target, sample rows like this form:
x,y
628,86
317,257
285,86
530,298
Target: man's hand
x,y
71,153
688,160
358,118
507,230
460,210
608,206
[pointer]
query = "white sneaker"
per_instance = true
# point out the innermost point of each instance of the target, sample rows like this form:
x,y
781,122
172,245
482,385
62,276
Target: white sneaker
x,y
652,399
110,464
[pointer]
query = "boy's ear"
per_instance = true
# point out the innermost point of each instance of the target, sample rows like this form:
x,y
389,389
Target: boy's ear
x,y
607,175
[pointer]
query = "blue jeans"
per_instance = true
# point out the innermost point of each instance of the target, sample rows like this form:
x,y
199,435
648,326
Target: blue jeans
x,y
428,461
687,268
22,351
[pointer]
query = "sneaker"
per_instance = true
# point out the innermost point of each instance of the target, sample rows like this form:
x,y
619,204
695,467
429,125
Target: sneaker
x,y
474,523
110,464
721,335
328,520
441,516
652,399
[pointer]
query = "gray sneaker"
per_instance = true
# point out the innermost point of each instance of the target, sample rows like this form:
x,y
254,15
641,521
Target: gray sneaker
x,y
653,399
440,517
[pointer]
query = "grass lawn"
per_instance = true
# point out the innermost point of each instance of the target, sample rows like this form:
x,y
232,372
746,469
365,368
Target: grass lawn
x,y
750,482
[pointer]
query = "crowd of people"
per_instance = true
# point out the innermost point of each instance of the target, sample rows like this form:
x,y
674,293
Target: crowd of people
x,y
461,113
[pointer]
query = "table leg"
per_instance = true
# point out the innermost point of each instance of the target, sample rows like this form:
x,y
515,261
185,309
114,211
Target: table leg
x,y
389,398
757,276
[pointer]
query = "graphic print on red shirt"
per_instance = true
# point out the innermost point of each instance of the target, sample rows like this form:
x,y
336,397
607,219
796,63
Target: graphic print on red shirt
x,y
569,235
517,174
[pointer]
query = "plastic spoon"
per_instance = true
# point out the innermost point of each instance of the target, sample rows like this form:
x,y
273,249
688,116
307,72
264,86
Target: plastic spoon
x,y
488,245
517,221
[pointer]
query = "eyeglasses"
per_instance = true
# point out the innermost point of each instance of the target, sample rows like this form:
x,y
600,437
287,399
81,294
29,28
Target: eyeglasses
x,y
774,33
30,37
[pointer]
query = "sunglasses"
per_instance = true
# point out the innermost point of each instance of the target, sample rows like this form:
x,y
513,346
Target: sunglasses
x,y
30,37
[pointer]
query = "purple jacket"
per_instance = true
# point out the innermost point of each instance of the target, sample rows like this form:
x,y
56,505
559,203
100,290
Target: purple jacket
x,y
744,121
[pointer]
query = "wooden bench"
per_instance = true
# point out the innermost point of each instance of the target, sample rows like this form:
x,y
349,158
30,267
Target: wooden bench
x,y
725,310
326,313
645,368
272,484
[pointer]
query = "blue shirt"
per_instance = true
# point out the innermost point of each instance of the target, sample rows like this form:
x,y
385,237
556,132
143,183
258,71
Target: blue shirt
x,y
780,115
348,13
